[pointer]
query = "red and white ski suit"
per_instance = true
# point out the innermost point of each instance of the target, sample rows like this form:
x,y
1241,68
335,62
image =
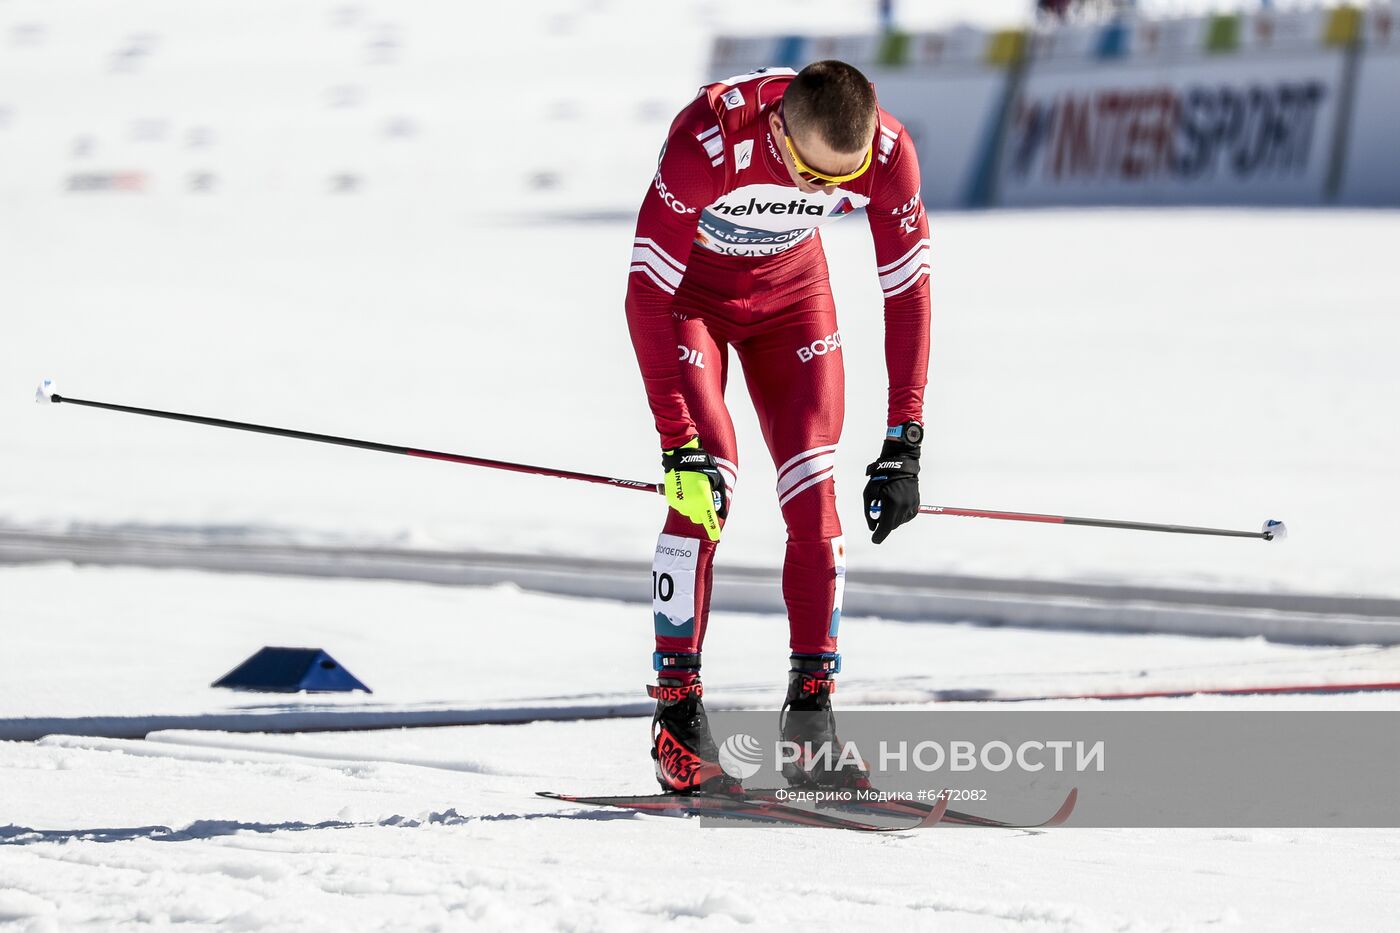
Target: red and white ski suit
x,y
727,254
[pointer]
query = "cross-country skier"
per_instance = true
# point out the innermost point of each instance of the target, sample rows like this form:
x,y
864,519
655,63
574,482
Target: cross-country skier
x,y
727,254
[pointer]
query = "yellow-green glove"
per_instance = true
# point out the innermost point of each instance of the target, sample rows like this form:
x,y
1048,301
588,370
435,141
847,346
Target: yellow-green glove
x,y
694,486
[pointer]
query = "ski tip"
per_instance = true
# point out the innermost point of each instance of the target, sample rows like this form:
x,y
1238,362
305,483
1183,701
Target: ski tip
x,y
1062,815
934,816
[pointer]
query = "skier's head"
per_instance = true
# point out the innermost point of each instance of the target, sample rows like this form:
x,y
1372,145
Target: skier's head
x,y
828,118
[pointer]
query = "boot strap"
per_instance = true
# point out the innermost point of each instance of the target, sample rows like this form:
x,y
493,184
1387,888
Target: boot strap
x,y
675,661
669,693
824,663
809,684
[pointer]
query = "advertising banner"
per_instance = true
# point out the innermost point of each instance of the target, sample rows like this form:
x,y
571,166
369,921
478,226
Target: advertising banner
x,y
1226,130
1297,108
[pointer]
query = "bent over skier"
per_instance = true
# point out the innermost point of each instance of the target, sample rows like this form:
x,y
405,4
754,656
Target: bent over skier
x,y
727,254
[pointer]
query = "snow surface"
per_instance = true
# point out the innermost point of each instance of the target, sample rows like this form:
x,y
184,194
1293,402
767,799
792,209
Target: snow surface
x,y
152,641
439,828
247,851
1197,367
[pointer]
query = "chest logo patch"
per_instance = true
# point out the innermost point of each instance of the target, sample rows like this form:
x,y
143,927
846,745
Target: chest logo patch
x,y
743,154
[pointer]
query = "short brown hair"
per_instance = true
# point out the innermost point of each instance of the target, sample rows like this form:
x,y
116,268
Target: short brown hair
x,y
833,100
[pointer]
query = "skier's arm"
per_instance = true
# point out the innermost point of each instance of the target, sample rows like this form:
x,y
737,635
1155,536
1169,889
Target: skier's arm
x,y
902,256
900,229
684,183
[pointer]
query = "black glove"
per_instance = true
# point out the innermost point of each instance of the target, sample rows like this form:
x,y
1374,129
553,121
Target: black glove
x,y
892,495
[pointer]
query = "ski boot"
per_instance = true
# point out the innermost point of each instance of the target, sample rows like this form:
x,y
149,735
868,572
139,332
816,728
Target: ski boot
x,y
687,761
808,721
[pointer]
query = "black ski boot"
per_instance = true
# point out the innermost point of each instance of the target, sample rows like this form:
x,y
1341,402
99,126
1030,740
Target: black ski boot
x,y
687,761
808,721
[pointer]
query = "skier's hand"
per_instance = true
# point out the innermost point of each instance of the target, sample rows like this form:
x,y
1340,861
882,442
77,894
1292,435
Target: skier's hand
x,y
694,486
892,495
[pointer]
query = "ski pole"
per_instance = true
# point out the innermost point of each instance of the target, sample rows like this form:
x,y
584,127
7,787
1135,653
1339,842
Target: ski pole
x,y
46,393
1272,529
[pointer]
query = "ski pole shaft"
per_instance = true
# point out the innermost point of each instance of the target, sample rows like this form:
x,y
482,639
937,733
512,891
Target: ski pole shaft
x,y
1272,529
363,445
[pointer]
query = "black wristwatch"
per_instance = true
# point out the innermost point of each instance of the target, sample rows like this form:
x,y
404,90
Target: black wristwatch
x,y
910,432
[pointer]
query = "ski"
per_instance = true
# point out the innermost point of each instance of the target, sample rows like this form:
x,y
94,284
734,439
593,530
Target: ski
x,y
762,805
947,817
749,807
962,818
847,802
1058,818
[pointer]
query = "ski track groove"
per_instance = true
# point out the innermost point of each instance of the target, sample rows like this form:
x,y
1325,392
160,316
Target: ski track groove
x,y
208,752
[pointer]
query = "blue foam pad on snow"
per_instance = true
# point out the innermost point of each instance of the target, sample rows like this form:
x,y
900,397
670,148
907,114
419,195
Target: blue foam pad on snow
x,y
291,670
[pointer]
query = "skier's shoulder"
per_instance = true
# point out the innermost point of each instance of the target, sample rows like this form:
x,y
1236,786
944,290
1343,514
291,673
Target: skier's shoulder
x,y
727,108
891,137
692,159
738,101
894,181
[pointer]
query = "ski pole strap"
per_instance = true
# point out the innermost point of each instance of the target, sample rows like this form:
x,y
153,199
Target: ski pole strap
x,y
816,663
685,661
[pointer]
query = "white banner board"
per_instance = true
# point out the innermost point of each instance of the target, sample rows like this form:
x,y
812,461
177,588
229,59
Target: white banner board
x,y
951,117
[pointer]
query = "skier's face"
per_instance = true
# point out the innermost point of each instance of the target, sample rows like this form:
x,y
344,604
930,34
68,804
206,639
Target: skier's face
x,y
808,153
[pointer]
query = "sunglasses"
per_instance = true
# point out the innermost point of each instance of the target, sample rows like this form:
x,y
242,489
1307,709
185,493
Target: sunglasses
x,y
810,175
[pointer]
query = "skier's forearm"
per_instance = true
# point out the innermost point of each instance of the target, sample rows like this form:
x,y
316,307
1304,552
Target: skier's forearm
x,y
906,359
654,341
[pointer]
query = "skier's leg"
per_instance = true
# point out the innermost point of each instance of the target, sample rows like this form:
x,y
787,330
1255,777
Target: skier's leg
x,y
797,380
795,375
684,751
682,565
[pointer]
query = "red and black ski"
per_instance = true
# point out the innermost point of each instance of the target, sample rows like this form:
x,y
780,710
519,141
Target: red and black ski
x,y
895,806
748,807
762,805
1058,818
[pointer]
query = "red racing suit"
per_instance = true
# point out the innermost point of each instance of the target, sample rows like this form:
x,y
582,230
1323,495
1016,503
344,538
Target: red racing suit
x,y
727,254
